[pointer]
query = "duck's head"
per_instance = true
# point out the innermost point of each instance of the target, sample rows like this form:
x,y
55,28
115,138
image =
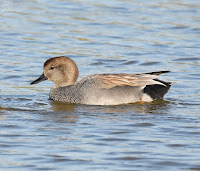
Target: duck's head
x,y
61,70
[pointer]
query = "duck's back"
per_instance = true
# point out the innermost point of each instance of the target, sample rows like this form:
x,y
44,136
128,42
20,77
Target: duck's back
x,y
112,89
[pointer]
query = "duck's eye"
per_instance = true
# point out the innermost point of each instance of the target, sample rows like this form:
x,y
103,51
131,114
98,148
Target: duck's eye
x,y
52,67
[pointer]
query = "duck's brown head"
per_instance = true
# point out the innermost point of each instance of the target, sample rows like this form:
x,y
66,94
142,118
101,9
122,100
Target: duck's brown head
x,y
61,70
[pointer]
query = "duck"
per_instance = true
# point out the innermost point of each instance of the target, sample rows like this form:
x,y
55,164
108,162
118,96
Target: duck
x,y
100,89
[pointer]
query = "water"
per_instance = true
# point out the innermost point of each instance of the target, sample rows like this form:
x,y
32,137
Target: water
x,y
117,36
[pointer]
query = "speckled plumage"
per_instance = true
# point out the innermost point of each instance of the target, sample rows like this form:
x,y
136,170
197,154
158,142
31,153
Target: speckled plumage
x,y
100,89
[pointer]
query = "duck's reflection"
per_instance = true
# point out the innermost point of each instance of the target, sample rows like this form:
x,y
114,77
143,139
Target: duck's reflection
x,y
63,112
155,107
71,113
61,106
158,106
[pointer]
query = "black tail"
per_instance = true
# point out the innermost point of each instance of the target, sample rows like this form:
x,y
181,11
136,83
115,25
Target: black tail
x,y
157,72
157,91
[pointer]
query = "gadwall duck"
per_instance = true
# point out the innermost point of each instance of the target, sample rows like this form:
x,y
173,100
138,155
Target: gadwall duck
x,y
100,89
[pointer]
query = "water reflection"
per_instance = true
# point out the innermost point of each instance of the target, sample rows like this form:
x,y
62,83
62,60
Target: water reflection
x,y
156,107
61,106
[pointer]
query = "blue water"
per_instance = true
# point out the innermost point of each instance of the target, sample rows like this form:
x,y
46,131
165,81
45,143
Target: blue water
x,y
117,36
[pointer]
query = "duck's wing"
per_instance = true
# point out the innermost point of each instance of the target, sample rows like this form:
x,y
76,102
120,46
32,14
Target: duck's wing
x,y
113,80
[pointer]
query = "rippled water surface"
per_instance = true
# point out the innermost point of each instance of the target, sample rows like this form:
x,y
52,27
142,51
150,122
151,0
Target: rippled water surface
x,y
117,36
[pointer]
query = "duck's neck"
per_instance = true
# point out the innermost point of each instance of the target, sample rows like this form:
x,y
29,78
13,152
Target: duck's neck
x,y
68,79
57,85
